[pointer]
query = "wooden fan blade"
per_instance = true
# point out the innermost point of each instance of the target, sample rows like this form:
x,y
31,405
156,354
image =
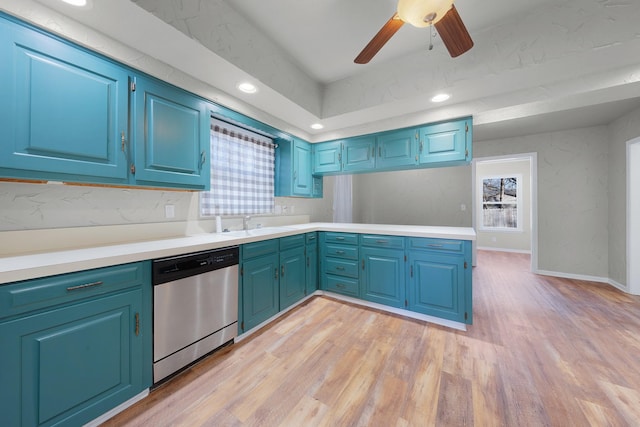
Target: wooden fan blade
x,y
453,33
379,40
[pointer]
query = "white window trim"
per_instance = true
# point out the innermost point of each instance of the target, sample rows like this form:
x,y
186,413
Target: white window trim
x,y
518,202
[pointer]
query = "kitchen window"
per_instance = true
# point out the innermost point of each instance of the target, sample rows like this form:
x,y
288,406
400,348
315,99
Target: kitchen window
x,y
242,172
501,203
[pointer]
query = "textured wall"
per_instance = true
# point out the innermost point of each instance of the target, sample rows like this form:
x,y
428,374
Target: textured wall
x,y
621,131
41,206
513,240
416,197
572,196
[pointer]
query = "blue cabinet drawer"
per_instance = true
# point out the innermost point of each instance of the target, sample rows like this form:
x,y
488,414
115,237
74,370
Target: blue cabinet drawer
x,y
443,245
22,297
380,241
342,251
292,241
341,267
342,285
345,238
312,237
251,250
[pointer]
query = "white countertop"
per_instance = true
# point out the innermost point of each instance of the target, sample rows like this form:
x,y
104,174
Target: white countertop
x,y
30,266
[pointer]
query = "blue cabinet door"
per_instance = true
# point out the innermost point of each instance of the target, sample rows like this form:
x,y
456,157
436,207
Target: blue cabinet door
x,y
302,178
63,111
396,149
382,278
171,136
359,154
436,285
70,365
327,157
293,276
445,142
260,293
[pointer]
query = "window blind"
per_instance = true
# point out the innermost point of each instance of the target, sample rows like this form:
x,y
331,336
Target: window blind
x,y
242,172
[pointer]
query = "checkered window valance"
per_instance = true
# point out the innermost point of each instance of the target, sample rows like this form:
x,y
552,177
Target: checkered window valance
x,y
242,172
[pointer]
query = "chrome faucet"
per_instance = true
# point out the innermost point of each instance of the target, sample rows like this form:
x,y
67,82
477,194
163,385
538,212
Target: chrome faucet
x,y
245,222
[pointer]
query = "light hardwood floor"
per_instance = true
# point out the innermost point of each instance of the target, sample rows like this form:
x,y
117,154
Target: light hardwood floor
x,y
542,352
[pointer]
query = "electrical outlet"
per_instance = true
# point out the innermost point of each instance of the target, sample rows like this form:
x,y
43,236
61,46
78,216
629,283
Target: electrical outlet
x,y
169,211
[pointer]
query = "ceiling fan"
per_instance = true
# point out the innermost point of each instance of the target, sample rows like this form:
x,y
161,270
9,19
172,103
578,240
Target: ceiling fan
x,y
442,14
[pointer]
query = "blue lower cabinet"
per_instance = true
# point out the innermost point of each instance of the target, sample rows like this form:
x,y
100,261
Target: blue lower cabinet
x,y
437,285
382,278
69,364
292,276
260,290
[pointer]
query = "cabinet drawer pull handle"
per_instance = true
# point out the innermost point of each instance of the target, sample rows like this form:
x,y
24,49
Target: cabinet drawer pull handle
x,y
276,274
86,285
363,264
435,246
339,238
122,139
137,324
340,268
203,159
340,252
340,286
282,270
382,241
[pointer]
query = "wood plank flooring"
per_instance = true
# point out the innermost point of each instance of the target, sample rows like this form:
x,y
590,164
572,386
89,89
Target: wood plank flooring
x,y
542,352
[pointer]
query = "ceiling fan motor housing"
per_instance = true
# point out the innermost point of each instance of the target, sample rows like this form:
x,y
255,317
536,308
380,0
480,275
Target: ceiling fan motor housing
x,y
422,13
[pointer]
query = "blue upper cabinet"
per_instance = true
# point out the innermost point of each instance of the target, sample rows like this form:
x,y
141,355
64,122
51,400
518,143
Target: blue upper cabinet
x,y
294,170
359,154
63,111
397,149
327,157
171,136
446,142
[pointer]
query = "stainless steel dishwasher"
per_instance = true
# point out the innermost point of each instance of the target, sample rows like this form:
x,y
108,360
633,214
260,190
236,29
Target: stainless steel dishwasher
x,y
195,307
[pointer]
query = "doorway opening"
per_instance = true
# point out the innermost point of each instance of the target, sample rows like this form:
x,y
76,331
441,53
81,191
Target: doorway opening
x,y
505,204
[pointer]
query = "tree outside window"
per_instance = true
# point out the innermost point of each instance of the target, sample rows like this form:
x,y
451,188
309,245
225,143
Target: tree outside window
x,y
500,203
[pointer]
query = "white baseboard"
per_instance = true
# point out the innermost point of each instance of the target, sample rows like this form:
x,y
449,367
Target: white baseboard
x,y
431,319
582,277
620,286
112,413
514,251
272,318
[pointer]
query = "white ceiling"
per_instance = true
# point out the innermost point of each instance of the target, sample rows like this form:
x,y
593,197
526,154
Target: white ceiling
x,y
325,36
536,65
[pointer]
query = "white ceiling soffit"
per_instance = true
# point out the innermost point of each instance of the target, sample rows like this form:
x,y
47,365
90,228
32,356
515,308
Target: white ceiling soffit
x,y
532,58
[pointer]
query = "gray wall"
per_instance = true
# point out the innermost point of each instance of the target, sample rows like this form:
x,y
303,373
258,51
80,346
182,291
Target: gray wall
x,y
572,196
417,197
621,131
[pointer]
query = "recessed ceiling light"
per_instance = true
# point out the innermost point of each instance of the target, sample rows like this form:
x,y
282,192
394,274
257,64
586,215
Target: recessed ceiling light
x,y
247,87
317,126
441,97
79,3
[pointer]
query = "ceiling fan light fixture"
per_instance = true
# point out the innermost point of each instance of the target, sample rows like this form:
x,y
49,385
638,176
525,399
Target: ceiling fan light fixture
x,y
422,13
